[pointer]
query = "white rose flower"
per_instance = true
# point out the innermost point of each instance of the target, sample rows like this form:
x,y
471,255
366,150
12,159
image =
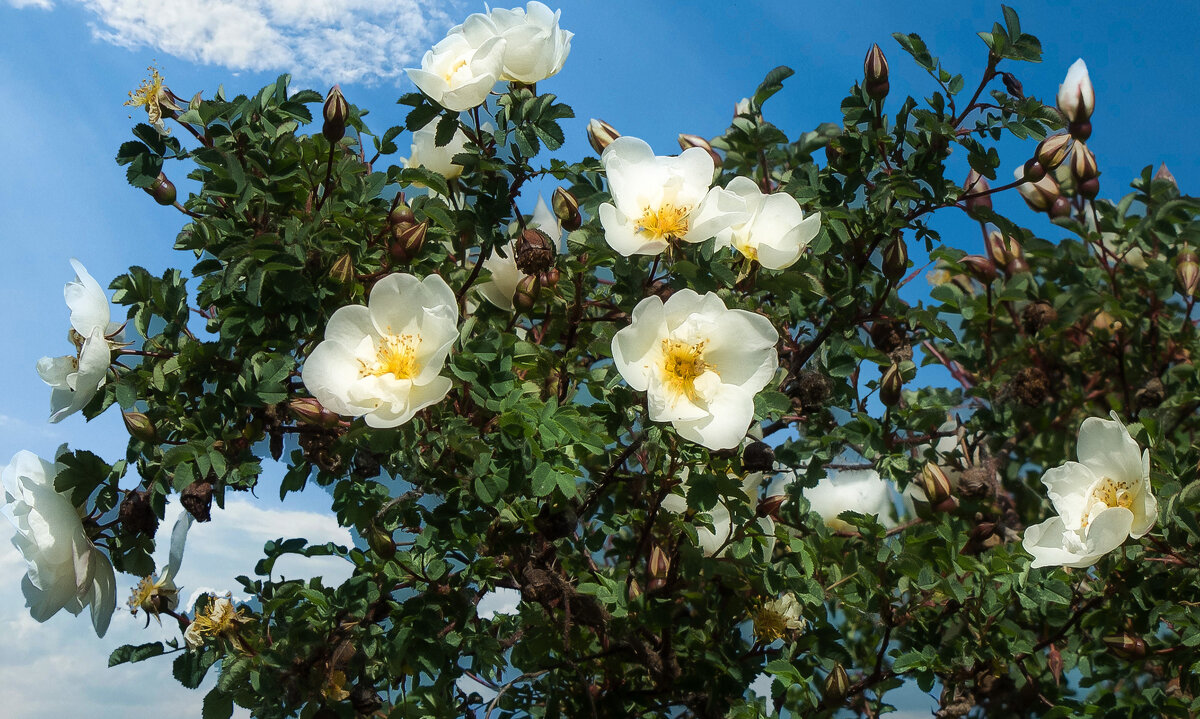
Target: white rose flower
x,y
66,571
655,198
535,47
1076,98
155,595
1101,500
505,273
383,361
76,379
460,71
699,363
778,618
713,541
774,230
861,490
425,152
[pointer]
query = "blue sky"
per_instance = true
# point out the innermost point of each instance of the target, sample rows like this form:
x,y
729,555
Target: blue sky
x,y
652,70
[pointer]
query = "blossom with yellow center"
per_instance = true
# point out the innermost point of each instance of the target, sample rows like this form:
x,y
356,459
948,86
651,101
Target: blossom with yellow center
x,y
155,97
219,620
768,228
699,363
778,619
655,198
155,595
382,361
1101,500
460,71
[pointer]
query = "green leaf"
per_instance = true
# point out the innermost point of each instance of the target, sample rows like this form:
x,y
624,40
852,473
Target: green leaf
x,y
771,84
135,653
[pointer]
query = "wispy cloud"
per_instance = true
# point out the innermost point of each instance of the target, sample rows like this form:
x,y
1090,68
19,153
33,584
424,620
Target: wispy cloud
x,y
332,40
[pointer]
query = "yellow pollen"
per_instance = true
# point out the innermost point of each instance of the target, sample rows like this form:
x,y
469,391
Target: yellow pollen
x,y
449,76
147,93
396,355
682,364
770,625
221,619
668,221
141,594
1108,492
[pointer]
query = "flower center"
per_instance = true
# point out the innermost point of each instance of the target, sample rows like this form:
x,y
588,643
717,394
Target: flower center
x,y
396,355
454,70
682,364
220,620
743,245
147,93
770,625
1108,493
665,222
141,594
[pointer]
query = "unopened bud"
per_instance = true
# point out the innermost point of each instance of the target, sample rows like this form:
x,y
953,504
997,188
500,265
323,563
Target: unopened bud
x,y
136,515
890,385
526,294
196,498
336,111
343,269
1076,98
935,483
836,686
1040,193
1083,163
979,267
770,506
600,134
1126,646
163,190
309,411
1165,175
140,427
634,591
686,141
1053,150
973,187
1187,273
997,248
407,242
875,73
658,566
401,214
566,209
1013,85
534,252
758,457
381,542
895,259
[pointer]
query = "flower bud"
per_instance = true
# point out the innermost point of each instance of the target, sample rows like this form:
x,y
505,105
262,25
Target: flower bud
x,y
381,542
974,185
1165,175
535,252
980,267
758,457
309,411
742,107
600,134
196,498
1083,163
657,569
336,111
1053,150
935,483
527,291
634,591
136,515
836,686
770,506
875,74
401,214
890,385
407,242
997,248
1126,646
686,141
895,259
163,190
1061,207
1187,273
1013,85
566,209
1039,194
343,269
140,427
1076,98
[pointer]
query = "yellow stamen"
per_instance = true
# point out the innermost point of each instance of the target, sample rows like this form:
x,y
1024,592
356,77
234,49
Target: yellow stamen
x,y
396,355
682,364
1109,493
665,222
744,247
770,625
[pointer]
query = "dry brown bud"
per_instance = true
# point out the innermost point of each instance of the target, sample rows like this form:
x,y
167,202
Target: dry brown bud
x,y
196,498
136,515
535,252
758,457
1038,316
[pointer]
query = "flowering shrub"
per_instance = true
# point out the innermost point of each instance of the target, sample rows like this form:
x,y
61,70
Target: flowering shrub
x,y
632,475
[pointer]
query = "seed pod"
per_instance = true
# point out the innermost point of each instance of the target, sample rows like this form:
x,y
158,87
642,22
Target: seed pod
x,y
1061,207
163,190
534,252
566,209
1034,171
758,457
600,134
136,515
196,498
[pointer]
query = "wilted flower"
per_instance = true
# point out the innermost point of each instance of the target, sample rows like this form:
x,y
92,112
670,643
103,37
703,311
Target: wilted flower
x,y
713,541
153,95
772,229
220,620
535,47
460,71
1076,99
778,618
1101,500
383,360
699,362
425,152
155,595
655,198
505,273
76,379
859,490
66,571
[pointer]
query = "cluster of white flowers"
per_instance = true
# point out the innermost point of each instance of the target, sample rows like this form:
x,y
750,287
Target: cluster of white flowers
x,y
525,46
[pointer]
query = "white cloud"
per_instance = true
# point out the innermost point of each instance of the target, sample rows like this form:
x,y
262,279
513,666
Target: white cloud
x,y
332,40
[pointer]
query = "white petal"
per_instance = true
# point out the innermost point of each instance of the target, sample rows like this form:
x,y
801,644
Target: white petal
x,y
635,347
730,414
1067,487
104,593
1107,449
89,307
